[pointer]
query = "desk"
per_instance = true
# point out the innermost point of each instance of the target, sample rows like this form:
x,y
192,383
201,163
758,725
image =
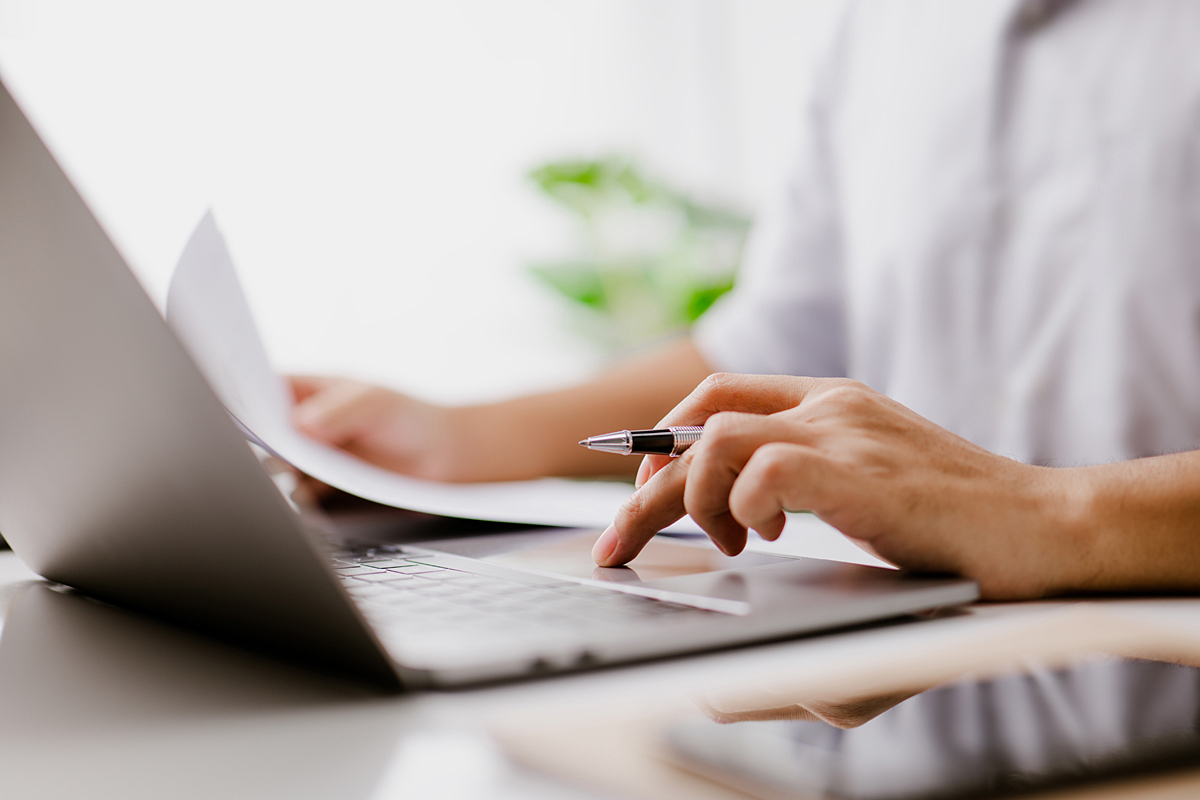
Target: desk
x,y
98,702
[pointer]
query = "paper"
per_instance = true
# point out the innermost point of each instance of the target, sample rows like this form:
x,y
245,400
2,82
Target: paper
x,y
209,313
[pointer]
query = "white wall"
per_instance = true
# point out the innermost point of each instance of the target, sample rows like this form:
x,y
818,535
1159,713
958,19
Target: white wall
x,y
365,158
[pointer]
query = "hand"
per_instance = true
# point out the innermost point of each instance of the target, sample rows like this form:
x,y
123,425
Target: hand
x,y
913,492
381,426
845,714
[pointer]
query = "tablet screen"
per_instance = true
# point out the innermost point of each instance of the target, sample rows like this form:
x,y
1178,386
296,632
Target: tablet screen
x,y
1100,718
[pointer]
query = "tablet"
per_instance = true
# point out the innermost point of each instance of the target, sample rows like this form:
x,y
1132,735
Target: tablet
x,y
1039,728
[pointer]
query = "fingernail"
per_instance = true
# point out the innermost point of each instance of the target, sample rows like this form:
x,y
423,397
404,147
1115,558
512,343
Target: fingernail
x,y
603,549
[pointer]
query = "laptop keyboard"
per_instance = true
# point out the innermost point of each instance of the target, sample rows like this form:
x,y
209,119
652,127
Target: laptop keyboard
x,y
403,594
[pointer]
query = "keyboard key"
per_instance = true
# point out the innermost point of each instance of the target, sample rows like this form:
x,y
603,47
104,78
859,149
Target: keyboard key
x,y
416,569
359,558
354,570
382,576
387,563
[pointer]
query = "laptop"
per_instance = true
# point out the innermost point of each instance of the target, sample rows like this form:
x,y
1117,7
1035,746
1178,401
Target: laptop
x,y
123,476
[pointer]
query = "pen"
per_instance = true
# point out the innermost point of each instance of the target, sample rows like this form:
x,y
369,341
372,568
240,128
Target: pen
x,y
665,442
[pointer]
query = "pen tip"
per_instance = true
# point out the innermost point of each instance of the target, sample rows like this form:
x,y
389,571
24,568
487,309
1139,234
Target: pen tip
x,y
583,442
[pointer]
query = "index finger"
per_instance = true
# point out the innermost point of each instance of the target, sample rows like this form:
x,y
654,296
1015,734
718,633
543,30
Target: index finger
x,y
750,394
647,511
723,391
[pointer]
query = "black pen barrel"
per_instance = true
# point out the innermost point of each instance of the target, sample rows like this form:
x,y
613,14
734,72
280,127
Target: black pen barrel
x,y
660,442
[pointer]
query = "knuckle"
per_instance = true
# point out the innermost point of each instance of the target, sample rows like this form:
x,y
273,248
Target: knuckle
x,y
776,463
718,379
720,425
852,396
713,387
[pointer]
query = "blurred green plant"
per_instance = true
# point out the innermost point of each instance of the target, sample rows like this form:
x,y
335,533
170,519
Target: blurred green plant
x,y
651,259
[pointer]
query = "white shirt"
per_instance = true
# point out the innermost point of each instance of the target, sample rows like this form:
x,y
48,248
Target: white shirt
x,y
994,218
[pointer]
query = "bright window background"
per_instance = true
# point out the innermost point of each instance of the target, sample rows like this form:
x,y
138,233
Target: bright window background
x,y
365,159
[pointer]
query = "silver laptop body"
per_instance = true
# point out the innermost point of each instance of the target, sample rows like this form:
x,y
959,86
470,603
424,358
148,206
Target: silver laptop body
x,y
122,475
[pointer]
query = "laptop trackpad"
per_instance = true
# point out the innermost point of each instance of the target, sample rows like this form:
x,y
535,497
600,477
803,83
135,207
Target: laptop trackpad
x,y
690,572
661,558
687,572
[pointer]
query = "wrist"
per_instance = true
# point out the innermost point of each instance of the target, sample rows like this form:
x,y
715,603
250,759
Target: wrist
x,y
1075,524
1145,524
494,442
439,441
1132,525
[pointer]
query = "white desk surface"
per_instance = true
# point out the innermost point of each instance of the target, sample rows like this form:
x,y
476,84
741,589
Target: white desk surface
x,y
97,702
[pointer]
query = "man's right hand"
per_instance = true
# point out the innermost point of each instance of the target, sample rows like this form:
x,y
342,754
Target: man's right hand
x,y
915,493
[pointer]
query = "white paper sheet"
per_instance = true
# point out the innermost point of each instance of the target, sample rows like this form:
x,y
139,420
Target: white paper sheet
x,y
208,311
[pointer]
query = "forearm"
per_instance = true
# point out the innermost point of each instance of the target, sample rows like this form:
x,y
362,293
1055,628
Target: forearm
x,y
1138,524
538,434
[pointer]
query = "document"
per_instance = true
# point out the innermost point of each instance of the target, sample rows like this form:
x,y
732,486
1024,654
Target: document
x,y
209,313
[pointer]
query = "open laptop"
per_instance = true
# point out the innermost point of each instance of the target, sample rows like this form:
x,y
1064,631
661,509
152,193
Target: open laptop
x,y
123,476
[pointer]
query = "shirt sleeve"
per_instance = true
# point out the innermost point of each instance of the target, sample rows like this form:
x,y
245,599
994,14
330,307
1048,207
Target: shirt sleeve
x,y
786,312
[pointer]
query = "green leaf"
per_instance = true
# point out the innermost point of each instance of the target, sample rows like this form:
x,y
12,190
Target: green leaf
x,y
703,297
576,280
